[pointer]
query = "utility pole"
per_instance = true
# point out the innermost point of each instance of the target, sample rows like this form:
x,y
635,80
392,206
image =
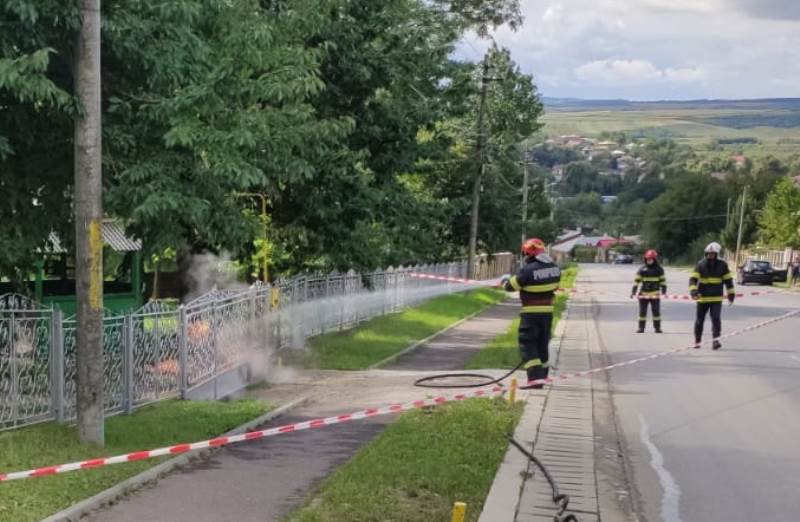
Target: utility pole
x,y
480,151
89,226
524,198
741,221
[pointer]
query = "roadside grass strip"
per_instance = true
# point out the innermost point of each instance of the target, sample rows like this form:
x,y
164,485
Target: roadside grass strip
x,y
161,424
419,466
381,337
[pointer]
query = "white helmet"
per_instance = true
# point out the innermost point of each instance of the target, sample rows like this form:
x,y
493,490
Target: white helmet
x,y
714,247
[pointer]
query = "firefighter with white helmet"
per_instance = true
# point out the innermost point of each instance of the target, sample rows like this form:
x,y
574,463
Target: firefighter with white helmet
x,y
708,285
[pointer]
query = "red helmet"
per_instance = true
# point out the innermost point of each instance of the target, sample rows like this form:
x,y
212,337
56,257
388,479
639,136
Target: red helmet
x,y
533,247
651,254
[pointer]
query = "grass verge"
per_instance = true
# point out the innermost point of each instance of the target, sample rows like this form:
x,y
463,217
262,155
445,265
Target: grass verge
x,y
419,466
503,350
378,338
161,424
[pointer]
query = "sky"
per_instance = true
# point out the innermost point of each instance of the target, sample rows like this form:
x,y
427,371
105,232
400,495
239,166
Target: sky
x,y
656,49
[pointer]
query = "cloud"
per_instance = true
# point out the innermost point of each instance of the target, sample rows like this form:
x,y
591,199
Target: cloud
x,y
770,9
656,49
633,72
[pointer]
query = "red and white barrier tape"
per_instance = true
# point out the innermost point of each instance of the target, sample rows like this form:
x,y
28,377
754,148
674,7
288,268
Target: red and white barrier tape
x,y
488,282
565,376
338,419
681,297
449,279
224,441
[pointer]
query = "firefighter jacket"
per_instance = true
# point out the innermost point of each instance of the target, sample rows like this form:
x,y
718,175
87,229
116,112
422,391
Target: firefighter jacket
x,y
708,279
652,281
537,282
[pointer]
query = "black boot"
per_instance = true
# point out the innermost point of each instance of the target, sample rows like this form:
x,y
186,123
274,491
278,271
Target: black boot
x,y
534,374
641,327
697,343
716,345
657,326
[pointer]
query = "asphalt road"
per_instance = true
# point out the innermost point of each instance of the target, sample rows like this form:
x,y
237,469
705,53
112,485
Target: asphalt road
x,y
707,436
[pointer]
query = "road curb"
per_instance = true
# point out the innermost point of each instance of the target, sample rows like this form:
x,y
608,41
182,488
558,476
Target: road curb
x,y
502,503
416,344
152,475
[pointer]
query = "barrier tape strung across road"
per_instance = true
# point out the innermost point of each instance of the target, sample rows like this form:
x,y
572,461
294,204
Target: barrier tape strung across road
x,y
494,282
339,419
489,282
253,435
584,373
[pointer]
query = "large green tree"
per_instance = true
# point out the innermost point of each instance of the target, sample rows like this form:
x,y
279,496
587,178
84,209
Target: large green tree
x,y
780,221
692,206
36,111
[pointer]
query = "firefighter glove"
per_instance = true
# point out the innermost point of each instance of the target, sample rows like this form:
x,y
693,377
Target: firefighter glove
x,y
695,294
731,298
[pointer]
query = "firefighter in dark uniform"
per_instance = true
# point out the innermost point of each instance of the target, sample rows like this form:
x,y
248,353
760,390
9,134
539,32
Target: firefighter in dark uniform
x,y
536,282
653,285
709,279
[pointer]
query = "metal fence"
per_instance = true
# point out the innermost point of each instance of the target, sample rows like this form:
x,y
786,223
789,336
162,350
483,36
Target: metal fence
x,y
163,351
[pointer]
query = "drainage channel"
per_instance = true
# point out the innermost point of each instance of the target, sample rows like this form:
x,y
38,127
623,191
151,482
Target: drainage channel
x,y
565,440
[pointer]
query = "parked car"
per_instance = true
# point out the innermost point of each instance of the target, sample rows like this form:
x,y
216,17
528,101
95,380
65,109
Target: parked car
x,y
623,259
759,272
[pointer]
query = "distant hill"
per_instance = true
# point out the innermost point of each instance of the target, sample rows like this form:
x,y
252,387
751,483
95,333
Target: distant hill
x,y
577,104
752,127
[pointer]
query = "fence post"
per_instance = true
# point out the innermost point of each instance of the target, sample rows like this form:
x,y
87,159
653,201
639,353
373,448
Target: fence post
x,y
214,328
57,365
12,326
127,362
342,305
183,344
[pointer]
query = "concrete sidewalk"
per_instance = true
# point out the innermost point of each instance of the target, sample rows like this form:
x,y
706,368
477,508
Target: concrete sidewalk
x,y
266,479
557,426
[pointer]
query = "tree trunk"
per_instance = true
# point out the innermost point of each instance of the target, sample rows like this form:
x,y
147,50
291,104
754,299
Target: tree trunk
x,y
89,226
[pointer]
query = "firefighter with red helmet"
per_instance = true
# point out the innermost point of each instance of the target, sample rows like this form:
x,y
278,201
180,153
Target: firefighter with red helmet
x,y
650,284
536,281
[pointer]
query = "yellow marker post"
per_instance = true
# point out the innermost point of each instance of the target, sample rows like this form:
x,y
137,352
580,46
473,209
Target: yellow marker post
x,y
459,512
512,393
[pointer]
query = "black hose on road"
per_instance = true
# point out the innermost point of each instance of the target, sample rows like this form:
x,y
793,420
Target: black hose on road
x,y
561,500
488,380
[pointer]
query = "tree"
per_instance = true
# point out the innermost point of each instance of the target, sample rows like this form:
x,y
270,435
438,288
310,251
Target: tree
x,y
89,228
692,206
36,102
780,221
226,110
585,209
760,180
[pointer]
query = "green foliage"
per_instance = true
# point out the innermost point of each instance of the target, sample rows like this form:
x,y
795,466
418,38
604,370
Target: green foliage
x,y
690,208
582,210
780,220
349,116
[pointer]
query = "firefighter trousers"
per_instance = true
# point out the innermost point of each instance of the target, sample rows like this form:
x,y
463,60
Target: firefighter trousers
x,y
655,305
715,309
534,344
